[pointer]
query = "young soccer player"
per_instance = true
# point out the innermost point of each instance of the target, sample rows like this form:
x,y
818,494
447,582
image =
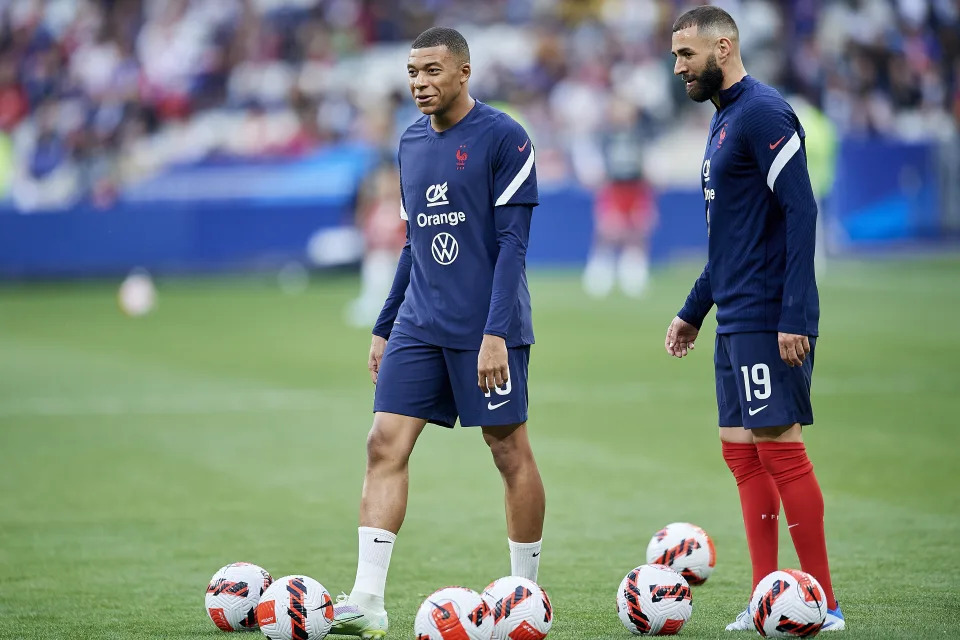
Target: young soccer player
x,y
454,335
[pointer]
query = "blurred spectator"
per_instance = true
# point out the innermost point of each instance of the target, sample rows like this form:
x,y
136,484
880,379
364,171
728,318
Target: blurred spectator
x,y
624,208
384,234
97,94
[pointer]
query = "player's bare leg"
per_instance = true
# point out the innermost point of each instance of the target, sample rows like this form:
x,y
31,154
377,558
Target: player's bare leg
x,y
382,509
524,497
760,504
784,455
391,440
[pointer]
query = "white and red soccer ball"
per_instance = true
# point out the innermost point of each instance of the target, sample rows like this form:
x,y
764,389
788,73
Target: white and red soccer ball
x,y
233,594
295,608
788,604
685,548
654,600
521,609
454,613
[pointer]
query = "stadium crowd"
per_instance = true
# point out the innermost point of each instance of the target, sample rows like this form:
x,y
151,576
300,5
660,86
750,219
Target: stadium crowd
x,y
97,94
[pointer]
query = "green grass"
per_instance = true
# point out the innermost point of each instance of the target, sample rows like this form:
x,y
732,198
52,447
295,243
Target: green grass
x,y
138,456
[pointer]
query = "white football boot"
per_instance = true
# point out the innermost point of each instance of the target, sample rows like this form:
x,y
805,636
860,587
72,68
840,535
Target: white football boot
x,y
834,621
351,618
744,621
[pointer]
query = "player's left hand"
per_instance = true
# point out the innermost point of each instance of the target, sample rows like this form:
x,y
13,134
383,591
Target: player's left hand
x,y
493,368
793,348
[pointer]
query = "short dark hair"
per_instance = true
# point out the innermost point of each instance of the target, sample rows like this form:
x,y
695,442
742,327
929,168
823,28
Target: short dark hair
x,y
452,39
707,18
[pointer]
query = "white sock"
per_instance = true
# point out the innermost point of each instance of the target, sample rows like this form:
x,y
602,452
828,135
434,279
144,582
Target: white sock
x,y
600,274
634,272
525,559
376,545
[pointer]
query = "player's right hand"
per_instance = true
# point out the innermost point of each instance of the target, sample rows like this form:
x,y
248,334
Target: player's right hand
x,y
681,336
377,346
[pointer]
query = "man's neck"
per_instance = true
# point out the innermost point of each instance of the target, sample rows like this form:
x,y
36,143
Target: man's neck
x,y
729,79
453,115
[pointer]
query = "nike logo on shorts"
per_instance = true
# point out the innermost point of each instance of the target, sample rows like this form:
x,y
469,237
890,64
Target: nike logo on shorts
x,y
754,412
492,406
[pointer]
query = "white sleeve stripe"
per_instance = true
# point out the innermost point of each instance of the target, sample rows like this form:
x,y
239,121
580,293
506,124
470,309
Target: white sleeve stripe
x,y
517,181
788,151
403,211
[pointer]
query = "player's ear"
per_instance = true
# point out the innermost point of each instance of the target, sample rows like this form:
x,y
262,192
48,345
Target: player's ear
x,y
464,72
724,48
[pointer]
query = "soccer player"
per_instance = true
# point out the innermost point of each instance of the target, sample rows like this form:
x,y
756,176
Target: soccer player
x,y
454,335
761,216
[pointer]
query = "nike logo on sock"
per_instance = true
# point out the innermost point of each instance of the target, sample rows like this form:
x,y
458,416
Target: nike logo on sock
x,y
382,541
536,554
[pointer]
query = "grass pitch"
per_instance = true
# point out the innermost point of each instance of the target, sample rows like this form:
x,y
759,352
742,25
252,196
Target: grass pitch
x,y
139,456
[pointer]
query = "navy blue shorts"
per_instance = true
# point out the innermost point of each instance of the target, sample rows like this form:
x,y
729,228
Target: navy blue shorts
x,y
755,388
438,384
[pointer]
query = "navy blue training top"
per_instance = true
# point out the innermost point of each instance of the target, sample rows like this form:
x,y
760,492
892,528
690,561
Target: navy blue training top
x,y
761,218
467,194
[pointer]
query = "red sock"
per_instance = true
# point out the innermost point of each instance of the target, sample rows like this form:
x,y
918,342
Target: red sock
x,y
802,499
760,504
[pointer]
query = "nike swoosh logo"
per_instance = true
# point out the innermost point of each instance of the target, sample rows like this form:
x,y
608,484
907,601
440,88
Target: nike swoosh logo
x,y
492,406
520,149
754,412
382,541
791,526
777,143
536,554
337,623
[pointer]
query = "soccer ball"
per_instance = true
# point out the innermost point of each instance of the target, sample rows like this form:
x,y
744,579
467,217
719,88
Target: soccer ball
x,y
685,548
295,608
654,600
233,594
521,609
788,604
454,612
137,295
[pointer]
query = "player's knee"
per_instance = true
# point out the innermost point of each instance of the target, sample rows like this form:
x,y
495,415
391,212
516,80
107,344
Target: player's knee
x,y
511,454
736,435
786,433
385,447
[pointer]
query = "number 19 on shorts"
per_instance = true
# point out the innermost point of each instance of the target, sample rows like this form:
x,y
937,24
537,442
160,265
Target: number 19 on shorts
x,y
759,378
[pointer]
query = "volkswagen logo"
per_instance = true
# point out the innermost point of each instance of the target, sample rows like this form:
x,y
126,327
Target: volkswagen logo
x,y
444,248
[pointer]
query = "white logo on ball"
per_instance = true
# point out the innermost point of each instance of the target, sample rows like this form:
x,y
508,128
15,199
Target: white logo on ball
x,y
444,248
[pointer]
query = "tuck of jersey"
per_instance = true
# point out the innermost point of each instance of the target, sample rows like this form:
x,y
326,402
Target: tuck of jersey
x,y
760,213
451,181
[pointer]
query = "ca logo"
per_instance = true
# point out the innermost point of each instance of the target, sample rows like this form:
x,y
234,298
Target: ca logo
x,y
437,195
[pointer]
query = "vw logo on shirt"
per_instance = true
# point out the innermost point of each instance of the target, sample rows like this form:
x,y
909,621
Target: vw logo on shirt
x,y
444,248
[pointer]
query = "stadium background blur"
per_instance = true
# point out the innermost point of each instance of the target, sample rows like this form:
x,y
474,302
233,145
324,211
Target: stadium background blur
x,y
218,144
222,119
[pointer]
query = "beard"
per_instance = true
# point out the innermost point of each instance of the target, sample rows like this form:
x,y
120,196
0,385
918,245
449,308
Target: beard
x,y
708,83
